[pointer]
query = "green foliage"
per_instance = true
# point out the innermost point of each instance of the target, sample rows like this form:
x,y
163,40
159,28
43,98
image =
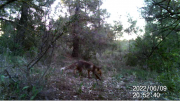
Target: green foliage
x,y
80,88
94,85
14,82
35,91
19,34
118,27
9,89
15,90
32,52
118,77
87,53
123,46
131,59
142,74
108,52
158,49
171,79
7,41
91,35
132,28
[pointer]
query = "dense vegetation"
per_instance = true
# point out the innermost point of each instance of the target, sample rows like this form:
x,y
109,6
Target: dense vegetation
x,y
34,47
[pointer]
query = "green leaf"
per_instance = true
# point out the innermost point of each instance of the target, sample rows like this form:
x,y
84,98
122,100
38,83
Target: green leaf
x,y
26,87
2,78
35,92
23,96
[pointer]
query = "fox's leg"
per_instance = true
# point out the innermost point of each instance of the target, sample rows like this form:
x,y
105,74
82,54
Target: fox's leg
x,y
96,75
75,71
88,73
80,71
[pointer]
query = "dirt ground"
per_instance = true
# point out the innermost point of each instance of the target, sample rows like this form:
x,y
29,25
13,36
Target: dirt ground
x,y
65,85
68,86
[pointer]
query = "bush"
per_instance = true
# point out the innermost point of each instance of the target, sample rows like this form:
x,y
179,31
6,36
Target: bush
x,y
171,80
13,79
131,59
15,90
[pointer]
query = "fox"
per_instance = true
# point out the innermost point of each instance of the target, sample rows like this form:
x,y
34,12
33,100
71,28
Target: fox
x,y
81,65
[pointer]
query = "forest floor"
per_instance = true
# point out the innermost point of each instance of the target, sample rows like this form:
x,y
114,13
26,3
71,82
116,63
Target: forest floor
x,y
113,86
68,86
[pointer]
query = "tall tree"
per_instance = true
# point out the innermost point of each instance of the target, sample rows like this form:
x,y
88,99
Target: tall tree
x,y
76,29
87,21
162,17
20,36
25,16
161,40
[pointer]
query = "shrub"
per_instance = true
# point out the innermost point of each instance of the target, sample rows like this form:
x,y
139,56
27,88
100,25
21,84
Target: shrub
x,y
131,59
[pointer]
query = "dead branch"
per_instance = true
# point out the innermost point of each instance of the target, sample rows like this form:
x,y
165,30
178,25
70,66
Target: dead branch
x,y
39,57
6,71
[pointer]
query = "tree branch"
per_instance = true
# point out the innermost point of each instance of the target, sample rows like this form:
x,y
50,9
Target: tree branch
x,y
9,75
8,2
154,48
165,8
38,58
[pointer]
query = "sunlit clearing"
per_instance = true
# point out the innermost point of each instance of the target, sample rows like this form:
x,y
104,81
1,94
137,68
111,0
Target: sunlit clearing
x,y
128,37
1,33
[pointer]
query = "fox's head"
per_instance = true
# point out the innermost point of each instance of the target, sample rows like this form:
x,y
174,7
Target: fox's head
x,y
98,71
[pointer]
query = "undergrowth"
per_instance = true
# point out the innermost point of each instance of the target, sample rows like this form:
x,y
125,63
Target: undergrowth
x,y
14,83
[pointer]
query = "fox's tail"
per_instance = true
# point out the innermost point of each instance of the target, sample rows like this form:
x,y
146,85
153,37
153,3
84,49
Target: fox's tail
x,y
68,67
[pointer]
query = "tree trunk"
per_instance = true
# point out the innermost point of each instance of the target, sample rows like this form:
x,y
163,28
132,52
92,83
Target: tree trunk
x,y
22,23
20,36
129,43
75,52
